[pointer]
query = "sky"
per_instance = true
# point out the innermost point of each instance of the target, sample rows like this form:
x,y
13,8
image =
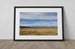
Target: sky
x,y
38,19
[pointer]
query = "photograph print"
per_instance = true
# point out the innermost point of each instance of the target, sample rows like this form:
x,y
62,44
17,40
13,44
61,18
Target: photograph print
x,y
38,23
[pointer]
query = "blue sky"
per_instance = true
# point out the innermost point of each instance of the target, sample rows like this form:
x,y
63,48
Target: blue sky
x,y
45,19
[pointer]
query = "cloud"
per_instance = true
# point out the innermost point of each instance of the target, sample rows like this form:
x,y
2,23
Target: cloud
x,y
41,24
38,15
30,21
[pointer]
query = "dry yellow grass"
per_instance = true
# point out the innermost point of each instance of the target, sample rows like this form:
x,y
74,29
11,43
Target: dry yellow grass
x,y
38,31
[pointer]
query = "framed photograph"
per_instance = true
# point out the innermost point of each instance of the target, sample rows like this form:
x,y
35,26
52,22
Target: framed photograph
x,y
38,23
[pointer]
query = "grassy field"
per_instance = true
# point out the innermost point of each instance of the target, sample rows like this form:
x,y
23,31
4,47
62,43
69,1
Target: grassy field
x,y
38,31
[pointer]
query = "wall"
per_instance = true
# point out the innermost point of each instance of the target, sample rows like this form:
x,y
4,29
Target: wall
x,y
7,15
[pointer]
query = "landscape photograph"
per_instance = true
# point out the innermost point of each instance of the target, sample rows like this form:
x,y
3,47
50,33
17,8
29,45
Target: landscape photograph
x,y
38,23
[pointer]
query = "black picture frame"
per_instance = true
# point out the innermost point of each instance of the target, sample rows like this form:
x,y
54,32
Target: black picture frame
x,y
62,8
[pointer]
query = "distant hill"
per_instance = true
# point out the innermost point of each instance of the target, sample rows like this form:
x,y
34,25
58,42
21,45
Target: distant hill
x,y
36,27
